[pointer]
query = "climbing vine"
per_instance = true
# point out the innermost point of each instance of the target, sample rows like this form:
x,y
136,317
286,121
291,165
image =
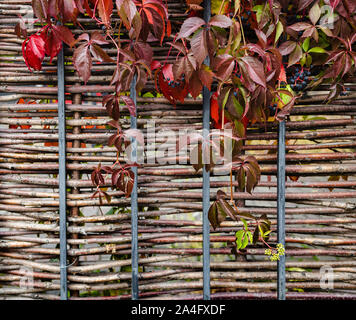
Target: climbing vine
x,y
256,57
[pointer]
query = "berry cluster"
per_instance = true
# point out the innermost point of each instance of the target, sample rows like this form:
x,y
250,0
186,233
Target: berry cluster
x,y
299,78
344,93
275,254
273,109
176,84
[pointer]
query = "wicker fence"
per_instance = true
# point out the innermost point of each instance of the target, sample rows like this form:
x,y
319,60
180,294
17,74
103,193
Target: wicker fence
x,y
320,221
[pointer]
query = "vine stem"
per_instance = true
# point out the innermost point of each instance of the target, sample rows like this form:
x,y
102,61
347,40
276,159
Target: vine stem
x,y
170,49
221,6
273,249
242,32
231,193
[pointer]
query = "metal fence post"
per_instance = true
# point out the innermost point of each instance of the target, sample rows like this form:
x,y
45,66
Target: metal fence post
x,y
206,178
281,176
62,177
134,206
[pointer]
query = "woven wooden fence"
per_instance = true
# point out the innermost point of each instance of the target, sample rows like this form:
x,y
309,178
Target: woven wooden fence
x,y
320,192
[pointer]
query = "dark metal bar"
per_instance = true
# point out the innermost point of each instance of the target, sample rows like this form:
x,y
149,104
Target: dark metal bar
x,y
134,206
62,177
281,197
206,178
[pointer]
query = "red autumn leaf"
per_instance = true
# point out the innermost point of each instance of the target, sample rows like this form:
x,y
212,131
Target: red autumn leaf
x,y
255,70
155,65
64,34
214,110
143,51
20,30
189,26
98,38
195,85
245,121
127,11
99,54
295,56
224,66
123,180
220,21
282,75
69,9
261,37
167,71
199,46
334,3
248,171
112,105
287,47
303,4
33,50
300,26
53,44
130,104
40,8
105,8
206,76
186,65
178,92
82,61
154,17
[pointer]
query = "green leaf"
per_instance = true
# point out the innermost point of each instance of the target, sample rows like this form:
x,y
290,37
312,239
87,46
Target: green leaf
x,y
260,231
239,109
225,98
244,222
236,42
296,269
309,60
305,44
317,50
264,229
111,211
303,60
279,31
244,241
250,236
259,11
239,235
267,233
